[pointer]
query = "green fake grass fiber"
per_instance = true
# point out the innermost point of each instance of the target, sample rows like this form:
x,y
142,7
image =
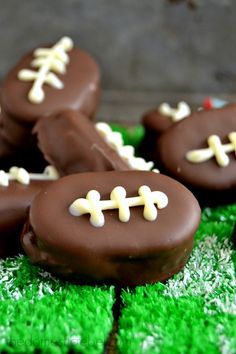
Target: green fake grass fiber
x,y
39,313
195,311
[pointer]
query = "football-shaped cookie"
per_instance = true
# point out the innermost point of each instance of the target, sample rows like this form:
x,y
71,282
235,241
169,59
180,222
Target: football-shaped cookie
x,y
84,146
17,190
200,152
47,80
157,121
129,227
71,143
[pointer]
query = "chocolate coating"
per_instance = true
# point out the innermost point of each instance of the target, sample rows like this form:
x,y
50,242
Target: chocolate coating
x,y
6,149
81,92
131,253
207,179
31,159
70,142
154,124
15,201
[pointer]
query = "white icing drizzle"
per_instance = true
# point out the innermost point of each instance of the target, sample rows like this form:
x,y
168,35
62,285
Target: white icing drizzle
x,y
126,152
20,175
216,148
47,60
182,111
94,206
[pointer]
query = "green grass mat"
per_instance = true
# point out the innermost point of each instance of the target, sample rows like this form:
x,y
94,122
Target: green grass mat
x,y
193,312
43,314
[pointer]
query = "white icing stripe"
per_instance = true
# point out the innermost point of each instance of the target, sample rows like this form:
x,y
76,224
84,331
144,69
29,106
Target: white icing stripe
x,y
94,206
216,148
126,152
47,59
20,175
182,111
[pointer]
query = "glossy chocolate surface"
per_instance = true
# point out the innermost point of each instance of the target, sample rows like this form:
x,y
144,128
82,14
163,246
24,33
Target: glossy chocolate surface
x,y
131,253
154,124
81,92
15,201
29,157
6,149
191,134
70,142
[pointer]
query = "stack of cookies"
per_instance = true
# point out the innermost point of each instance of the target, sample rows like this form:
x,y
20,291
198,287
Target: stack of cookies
x,y
99,213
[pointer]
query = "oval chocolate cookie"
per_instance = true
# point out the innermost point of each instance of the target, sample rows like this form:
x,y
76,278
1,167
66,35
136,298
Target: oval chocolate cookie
x,y
15,201
47,80
17,190
81,148
127,227
200,152
157,121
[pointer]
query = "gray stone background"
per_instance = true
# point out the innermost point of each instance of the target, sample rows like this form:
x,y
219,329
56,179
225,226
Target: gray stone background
x,y
148,50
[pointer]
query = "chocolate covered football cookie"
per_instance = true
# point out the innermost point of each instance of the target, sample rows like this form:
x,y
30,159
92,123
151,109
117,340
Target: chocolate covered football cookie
x,y
157,121
72,143
44,81
17,190
200,152
6,149
129,227
31,159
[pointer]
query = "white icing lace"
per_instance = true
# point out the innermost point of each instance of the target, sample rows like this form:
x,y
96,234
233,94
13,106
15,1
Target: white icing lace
x,y
47,60
182,111
216,148
94,206
126,152
20,175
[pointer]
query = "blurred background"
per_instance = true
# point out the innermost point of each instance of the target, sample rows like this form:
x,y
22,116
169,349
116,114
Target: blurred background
x,y
148,51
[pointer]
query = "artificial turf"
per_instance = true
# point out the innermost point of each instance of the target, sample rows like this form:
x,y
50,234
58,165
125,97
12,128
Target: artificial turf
x,y
39,313
193,312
